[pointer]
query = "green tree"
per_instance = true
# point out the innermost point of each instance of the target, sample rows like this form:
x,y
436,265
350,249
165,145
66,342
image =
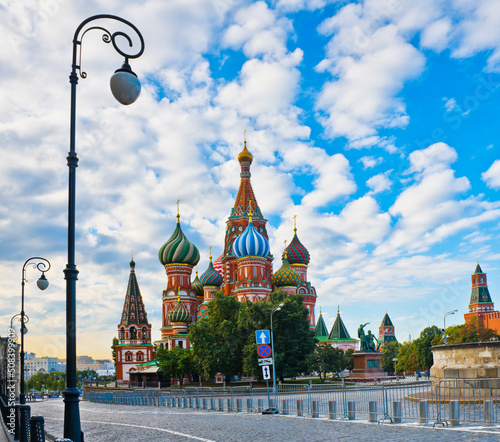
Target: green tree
x,y
217,339
175,363
349,359
327,359
390,351
407,358
113,348
472,331
293,339
53,381
423,347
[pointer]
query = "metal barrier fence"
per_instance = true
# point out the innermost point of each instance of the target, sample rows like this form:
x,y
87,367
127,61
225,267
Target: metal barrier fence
x,y
446,403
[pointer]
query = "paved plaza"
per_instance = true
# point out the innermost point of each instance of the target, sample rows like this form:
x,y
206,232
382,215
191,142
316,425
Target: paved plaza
x,y
108,423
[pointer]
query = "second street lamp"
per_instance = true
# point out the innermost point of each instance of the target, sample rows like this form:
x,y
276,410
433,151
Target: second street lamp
x,y
277,309
126,88
445,338
42,265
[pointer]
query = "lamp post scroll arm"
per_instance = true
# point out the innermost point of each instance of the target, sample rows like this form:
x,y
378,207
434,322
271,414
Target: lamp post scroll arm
x,y
107,37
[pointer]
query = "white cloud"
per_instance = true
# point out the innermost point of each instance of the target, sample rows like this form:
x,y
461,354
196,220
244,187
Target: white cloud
x,y
437,157
297,5
492,176
333,179
258,32
479,31
379,183
265,87
361,221
428,210
370,162
370,71
436,35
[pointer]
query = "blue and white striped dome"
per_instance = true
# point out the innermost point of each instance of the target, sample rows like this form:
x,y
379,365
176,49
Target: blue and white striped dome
x,y
251,243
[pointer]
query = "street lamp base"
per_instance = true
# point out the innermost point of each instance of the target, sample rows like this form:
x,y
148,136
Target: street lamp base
x,y
72,426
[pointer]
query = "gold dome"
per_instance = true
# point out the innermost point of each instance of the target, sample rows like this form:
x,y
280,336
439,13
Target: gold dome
x,y
245,155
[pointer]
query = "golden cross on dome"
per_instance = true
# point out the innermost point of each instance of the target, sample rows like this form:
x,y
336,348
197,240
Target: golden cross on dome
x,y
295,223
245,135
178,216
286,254
210,253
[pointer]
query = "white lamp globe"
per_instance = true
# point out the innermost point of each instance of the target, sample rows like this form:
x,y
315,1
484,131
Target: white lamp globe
x,y
42,282
125,85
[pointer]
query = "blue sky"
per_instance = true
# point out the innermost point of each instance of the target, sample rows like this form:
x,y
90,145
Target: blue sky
x,y
374,122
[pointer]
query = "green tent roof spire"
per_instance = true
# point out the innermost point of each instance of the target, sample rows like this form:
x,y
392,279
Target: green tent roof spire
x,y
339,331
321,330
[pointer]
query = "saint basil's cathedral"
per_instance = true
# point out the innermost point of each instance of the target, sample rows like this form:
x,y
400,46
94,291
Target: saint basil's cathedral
x,y
245,269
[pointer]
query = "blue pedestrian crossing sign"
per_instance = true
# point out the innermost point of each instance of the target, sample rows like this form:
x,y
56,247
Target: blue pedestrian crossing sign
x,y
262,337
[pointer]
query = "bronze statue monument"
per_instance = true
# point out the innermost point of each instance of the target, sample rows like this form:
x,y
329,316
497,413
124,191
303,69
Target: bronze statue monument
x,y
367,341
368,360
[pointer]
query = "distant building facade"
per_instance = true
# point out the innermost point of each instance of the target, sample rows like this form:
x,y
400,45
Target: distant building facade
x,y
33,366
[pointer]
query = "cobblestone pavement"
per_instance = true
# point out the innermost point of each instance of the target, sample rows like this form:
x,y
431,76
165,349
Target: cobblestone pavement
x,y
109,423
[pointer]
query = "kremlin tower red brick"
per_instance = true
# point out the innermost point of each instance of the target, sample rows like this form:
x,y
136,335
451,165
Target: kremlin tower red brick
x,y
480,304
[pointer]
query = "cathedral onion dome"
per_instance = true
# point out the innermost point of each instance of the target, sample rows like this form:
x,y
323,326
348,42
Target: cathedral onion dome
x,y
251,243
286,276
197,287
211,277
178,249
297,253
218,264
179,313
245,155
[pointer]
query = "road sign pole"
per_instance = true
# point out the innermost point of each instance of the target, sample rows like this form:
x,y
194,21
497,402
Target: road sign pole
x,y
268,398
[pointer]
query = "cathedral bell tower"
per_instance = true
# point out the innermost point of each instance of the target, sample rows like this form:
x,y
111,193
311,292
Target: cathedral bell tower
x,y
258,270
134,331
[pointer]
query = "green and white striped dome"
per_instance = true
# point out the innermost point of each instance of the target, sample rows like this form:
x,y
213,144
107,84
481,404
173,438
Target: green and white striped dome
x,y
178,249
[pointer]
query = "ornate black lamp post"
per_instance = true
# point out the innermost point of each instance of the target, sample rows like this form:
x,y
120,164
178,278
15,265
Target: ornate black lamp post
x,y
43,265
276,309
126,88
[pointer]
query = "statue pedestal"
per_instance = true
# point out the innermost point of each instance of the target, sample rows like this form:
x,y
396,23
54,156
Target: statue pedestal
x,y
367,365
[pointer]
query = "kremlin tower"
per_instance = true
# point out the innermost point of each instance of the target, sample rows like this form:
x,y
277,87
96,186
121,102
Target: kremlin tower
x,y
386,331
134,332
480,304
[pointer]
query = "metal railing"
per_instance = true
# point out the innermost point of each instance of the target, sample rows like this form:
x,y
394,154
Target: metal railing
x,y
448,402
